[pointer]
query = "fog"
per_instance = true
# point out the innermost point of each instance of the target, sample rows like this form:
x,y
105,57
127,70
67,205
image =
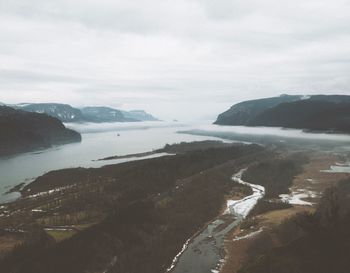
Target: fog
x,y
274,132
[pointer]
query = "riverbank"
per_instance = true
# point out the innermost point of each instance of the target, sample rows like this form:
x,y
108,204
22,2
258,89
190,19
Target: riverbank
x,y
176,148
205,252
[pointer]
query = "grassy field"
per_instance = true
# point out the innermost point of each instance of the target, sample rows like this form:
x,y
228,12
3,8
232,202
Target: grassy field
x,y
60,235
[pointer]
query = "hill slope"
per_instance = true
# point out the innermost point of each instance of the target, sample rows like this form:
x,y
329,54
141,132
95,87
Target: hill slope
x,y
102,114
139,115
319,113
307,114
63,112
67,113
22,131
244,112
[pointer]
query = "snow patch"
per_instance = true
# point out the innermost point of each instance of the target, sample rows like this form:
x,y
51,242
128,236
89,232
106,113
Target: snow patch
x,y
252,234
338,168
178,256
58,229
295,197
243,206
305,97
50,191
37,210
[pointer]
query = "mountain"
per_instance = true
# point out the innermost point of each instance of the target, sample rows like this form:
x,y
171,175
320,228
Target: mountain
x,y
63,112
67,113
22,131
244,112
308,114
108,114
102,114
317,113
140,115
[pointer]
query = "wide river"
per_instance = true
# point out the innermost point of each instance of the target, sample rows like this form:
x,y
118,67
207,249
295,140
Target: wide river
x,y
108,139
98,141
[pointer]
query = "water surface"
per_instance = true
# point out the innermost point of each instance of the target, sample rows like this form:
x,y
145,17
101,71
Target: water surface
x,y
98,141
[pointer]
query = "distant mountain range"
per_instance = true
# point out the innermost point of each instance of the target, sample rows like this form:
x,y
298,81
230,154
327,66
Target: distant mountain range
x,y
22,131
63,112
317,113
103,114
138,115
107,114
67,113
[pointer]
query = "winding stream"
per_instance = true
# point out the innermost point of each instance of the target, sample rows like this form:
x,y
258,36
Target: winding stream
x,y
205,252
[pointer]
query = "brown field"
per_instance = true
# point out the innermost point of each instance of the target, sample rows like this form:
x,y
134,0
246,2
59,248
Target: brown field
x,y
237,250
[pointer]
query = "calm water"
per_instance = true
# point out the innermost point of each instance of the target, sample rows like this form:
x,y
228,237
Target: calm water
x,y
102,140
98,141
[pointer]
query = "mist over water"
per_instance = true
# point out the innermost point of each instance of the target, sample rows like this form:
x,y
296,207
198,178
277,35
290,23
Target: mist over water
x,y
273,131
275,135
84,128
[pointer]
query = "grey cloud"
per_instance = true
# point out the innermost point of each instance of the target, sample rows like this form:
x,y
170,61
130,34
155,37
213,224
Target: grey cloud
x,y
11,75
161,54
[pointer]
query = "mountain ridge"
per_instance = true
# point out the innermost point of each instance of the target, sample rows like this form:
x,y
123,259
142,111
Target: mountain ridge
x,y
330,113
23,131
242,112
96,114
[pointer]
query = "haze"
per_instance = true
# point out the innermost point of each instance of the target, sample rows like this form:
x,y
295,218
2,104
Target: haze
x,y
184,59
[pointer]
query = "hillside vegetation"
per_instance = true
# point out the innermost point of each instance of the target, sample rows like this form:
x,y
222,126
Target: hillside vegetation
x,y
316,113
22,131
97,114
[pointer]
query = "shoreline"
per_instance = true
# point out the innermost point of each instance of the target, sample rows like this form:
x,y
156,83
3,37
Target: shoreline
x,y
129,156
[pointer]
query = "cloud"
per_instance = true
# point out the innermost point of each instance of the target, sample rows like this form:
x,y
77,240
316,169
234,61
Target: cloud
x,y
158,55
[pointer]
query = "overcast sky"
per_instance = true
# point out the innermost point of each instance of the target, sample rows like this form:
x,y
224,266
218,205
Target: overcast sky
x,y
174,58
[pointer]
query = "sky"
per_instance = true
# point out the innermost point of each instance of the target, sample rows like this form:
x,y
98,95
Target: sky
x,y
178,59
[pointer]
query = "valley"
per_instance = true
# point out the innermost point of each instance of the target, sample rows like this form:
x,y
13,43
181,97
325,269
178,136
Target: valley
x,y
134,206
179,197
174,136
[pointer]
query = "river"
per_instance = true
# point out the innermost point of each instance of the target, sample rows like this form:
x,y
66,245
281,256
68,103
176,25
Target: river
x,y
204,253
98,141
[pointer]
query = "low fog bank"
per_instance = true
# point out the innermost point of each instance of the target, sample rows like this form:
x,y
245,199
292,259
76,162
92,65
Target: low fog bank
x,y
274,135
85,128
